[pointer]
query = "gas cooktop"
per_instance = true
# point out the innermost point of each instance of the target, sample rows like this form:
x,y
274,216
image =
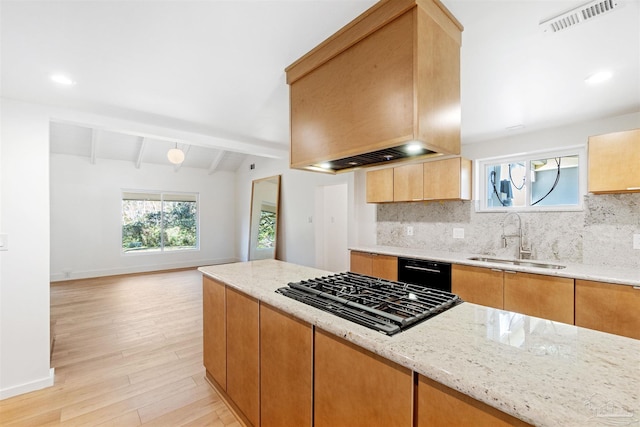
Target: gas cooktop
x,y
386,306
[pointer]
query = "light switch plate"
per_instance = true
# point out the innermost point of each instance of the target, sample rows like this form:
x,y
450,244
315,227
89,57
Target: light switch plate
x,y
636,241
458,233
409,231
4,242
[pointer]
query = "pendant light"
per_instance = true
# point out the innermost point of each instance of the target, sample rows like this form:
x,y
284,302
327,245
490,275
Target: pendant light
x,y
175,155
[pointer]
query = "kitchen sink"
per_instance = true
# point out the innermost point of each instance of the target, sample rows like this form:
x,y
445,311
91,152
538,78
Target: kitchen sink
x,y
519,262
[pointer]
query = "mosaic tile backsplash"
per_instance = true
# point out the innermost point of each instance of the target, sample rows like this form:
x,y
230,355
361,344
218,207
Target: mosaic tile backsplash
x,y
601,234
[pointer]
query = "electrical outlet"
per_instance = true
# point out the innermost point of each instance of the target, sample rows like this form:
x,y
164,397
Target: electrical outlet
x,y
458,233
636,241
409,231
67,274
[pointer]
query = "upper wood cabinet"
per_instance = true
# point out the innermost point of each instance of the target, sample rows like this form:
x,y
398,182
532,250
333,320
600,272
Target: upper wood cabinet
x,y
383,80
380,186
609,308
448,179
407,183
613,162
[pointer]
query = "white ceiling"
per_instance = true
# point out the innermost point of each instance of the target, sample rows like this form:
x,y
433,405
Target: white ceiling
x,y
216,68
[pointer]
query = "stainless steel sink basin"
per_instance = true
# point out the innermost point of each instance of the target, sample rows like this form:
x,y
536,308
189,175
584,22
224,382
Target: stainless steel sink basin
x,y
520,262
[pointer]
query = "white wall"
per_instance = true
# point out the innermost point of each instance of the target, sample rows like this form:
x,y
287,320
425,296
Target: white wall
x,y
24,268
296,237
86,219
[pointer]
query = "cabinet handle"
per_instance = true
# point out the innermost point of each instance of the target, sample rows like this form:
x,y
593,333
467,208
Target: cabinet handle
x,y
633,188
511,272
429,270
495,269
636,287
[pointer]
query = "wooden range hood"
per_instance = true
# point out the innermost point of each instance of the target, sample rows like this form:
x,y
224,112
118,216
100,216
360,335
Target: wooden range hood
x,y
389,78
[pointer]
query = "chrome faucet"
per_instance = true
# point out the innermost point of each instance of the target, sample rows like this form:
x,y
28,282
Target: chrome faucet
x,y
523,253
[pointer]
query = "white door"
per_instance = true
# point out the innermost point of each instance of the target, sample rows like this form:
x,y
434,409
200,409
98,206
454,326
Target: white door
x,y
331,228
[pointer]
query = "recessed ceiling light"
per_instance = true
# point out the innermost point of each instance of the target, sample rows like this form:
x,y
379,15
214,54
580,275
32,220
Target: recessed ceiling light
x,y
325,165
599,77
62,79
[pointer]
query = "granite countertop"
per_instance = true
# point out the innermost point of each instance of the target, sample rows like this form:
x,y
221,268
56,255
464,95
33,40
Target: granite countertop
x,y
543,372
620,276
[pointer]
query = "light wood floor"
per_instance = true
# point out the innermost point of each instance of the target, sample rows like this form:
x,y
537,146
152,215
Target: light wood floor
x,y
128,352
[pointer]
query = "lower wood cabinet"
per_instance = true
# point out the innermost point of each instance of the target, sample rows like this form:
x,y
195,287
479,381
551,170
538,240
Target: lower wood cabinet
x,y
243,353
536,295
440,406
376,265
214,330
482,286
608,308
286,369
354,387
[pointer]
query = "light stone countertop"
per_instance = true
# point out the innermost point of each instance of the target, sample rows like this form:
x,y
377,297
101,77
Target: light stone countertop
x,y
543,372
620,276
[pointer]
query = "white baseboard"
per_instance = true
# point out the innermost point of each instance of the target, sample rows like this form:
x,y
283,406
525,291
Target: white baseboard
x,y
28,387
88,274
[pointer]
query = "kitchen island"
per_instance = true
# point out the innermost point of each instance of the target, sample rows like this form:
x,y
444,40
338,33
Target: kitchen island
x,y
541,372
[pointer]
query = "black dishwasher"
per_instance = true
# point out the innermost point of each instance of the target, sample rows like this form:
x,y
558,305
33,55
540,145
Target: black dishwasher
x,y
425,273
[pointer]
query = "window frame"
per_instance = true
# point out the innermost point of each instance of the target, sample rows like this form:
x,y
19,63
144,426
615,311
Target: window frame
x,y
481,179
161,194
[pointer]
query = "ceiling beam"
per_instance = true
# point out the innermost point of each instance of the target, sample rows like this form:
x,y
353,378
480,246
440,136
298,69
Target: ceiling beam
x,y
143,144
235,143
186,151
94,146
216,162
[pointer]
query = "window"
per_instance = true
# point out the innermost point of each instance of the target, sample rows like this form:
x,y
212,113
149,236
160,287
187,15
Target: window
x,y
156,222
543,181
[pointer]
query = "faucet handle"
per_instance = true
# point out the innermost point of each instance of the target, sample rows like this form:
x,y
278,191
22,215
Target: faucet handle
x,y
525,253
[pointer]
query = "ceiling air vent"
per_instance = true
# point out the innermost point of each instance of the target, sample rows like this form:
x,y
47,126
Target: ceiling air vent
x,y
578,15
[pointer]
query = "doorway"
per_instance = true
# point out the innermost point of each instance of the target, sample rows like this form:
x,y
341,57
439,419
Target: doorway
x,y
332,252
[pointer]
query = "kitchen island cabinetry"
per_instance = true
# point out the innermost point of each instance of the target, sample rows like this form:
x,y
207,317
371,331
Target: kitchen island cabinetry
x,y
243,352
613,162
376,265
536,295
380,186
608,308
215,330
354,387
286,371
440,406
482,286
407,183
448,179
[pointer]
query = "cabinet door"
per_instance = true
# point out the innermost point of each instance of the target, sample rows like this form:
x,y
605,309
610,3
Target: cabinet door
x,y
407,183
547,297
440,406
214,330
243,352
478,285
613,162
448,179
353,387
384,267
361,263
380,186
608,308
286,371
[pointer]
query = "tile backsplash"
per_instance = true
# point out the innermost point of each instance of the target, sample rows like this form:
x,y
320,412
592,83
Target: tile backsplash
x,y
601,234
